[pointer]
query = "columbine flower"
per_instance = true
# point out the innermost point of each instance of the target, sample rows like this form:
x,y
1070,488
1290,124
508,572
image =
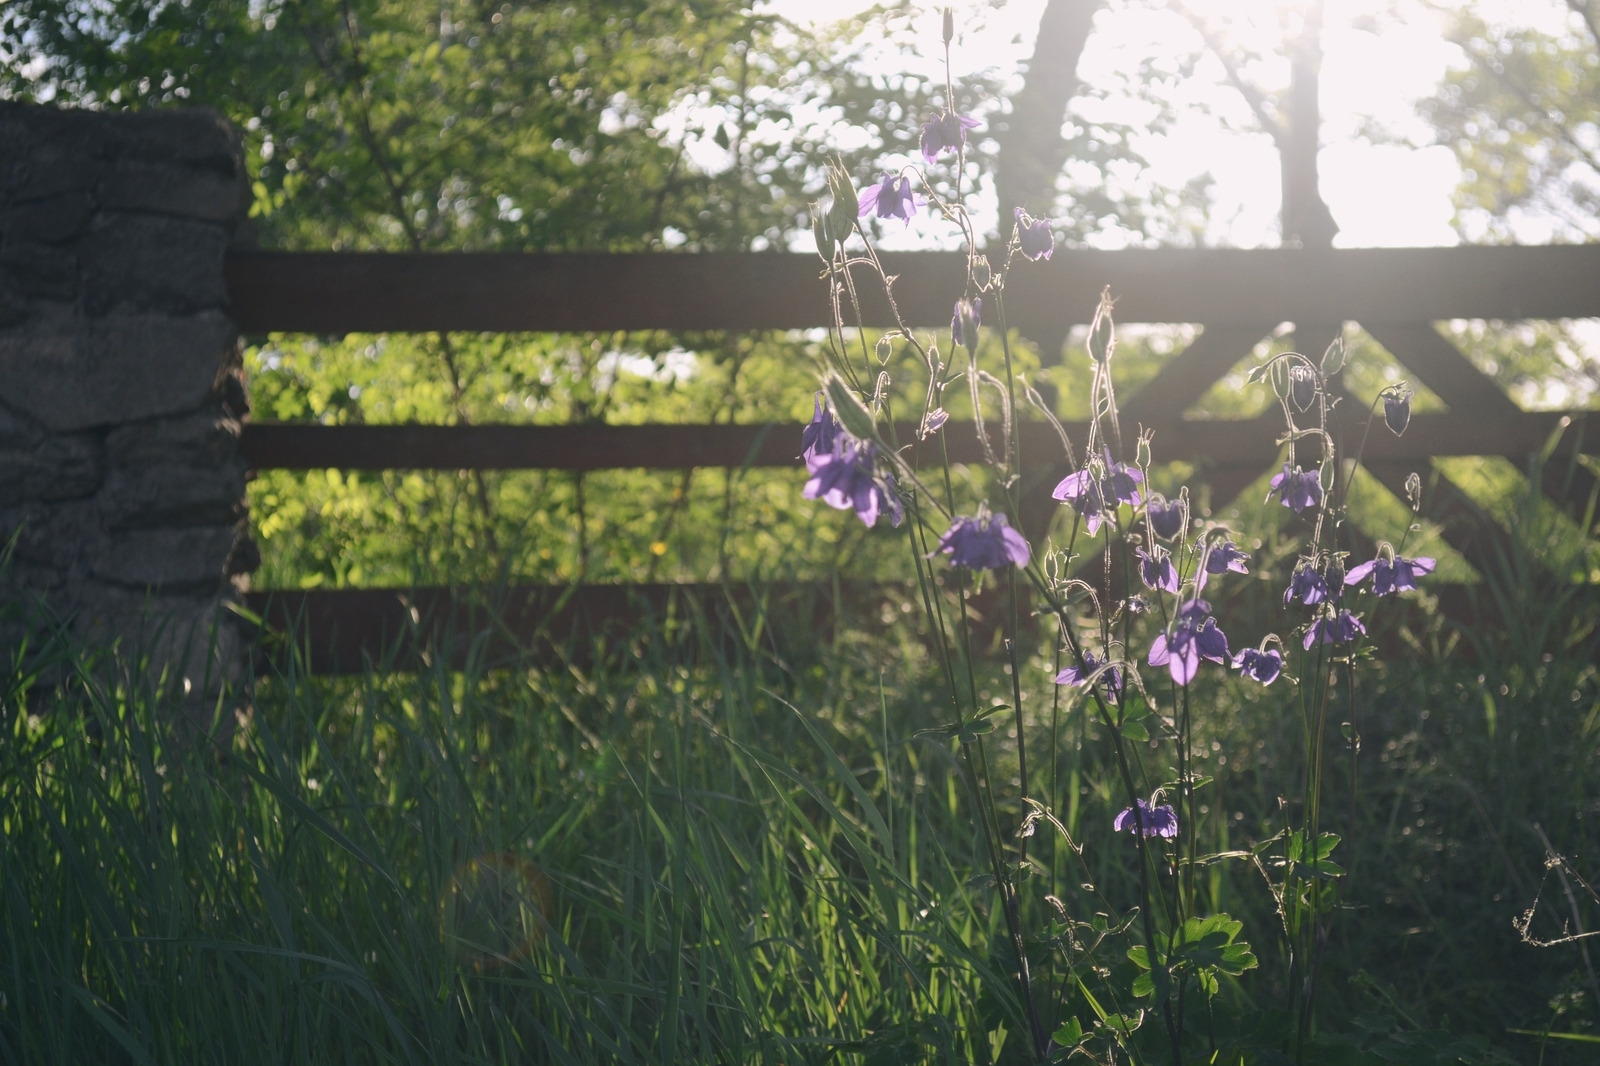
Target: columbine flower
x,y
821,432
1397,410
1033,235
1307,586
1150,821
1302,386
934,422
1225,556
1333,576
1165,519
964,323
846,479
1156,568
1264,666
1391,575
1135,605
1110,681
1082,491
1195,636
943,130
1300,490
890,198
1329,630
983,543
1120,483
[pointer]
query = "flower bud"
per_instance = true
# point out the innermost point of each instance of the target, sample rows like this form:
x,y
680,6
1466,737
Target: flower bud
x,y
1333,358
1397,409
822,231
849,410
981,274
1414,491
842,215
964,324
1302,387
949,26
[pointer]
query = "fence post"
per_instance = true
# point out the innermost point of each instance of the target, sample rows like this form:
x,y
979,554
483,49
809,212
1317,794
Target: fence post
x,y
121,391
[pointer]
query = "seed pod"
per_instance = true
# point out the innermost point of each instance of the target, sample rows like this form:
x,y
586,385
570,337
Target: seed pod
x,y
850,411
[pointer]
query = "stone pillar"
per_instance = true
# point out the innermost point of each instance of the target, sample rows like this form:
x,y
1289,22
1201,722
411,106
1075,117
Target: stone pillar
x,y
121,389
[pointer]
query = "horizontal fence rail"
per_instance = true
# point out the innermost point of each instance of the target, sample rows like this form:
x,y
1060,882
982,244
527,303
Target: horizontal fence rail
x,y
345,292
1238,297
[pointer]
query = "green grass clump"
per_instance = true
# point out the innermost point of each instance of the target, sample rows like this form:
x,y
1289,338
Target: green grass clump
x,y
705,850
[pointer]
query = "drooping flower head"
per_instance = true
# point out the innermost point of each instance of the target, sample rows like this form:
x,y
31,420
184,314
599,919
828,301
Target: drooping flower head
x,y
1225,555
1165,519
1193,636
984,542
1302,386
945,130
1306,585
1329,629
1397,409
1034,236
1110,682
846,479
965,322
1299,489
1093,496
1391,573
934,422
1156,569
821,432
1160,821
1120,483
1262,664
890,198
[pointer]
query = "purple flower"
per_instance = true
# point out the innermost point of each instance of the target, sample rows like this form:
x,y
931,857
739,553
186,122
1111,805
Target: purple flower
x,y
1135,605
1033,235
1165,519
1302,386
846,479
934,422
1110,681
1264,666
1397,575
1082,491
1226,556
943,130
1340,630
1121,482
821,432
1193,637
1300,490
983,543
964,323
1156,568
1307,586
891,198
1149,821
1333,577
1397,410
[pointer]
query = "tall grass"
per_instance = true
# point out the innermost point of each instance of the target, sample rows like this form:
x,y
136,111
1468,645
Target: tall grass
x,y
709,850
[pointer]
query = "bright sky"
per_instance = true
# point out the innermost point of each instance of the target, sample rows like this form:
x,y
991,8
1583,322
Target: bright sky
x,y
1375,68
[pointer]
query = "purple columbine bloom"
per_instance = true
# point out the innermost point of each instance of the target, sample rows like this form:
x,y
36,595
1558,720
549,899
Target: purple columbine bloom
x,y
964,323
1034,236
1195,636
945,130
1302,386
1156,568
846,479
1397,575
1299,490
821,432
1082,491
1110,681
1226,556
1121,482
891,198
1165,519
983,543
1159,821
934,422
1340,630
1333,576
1307,586
1135,605
1397,410
1264,666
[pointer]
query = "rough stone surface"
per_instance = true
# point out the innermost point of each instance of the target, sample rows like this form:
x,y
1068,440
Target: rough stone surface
x,y
121,391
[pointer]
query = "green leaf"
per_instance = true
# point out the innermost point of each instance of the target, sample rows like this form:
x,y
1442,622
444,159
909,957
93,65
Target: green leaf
x,y
1070,1034
1134,730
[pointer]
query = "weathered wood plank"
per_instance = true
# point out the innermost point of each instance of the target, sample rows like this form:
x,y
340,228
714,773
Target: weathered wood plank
x,y
342,292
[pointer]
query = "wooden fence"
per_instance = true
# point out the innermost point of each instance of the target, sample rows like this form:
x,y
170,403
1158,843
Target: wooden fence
x,y
1237,296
